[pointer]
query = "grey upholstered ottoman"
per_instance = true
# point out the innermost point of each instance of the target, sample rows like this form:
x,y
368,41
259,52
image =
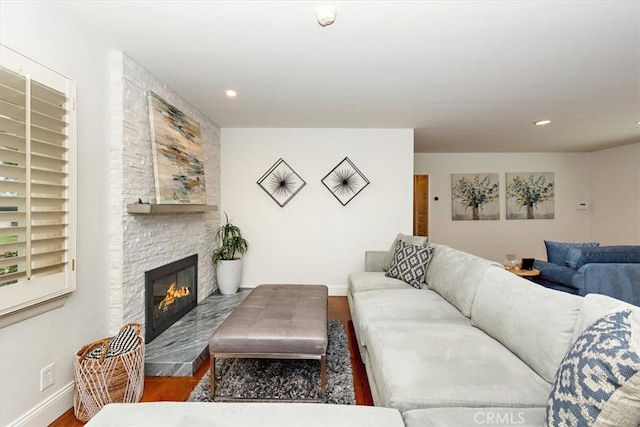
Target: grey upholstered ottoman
x,y
275,322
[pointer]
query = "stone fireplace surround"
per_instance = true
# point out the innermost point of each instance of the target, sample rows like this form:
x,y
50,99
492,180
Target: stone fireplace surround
x,y
143,242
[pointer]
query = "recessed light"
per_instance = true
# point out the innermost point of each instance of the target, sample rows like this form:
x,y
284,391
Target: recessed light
x,y
542,122
231,93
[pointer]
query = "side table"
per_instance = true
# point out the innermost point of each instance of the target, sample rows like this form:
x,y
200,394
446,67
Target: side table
x,y
525,273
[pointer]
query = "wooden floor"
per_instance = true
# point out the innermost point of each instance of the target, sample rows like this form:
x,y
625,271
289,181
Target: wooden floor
x,y
177,389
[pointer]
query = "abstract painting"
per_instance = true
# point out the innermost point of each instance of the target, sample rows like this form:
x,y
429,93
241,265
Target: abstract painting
x,y
530,195
345,181
281,182
475,197
177,154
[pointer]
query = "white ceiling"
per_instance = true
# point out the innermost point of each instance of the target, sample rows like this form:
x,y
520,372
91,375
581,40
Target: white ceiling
x,y
469,76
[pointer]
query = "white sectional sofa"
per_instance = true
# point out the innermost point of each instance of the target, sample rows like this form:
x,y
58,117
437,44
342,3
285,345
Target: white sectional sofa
x,y
475,345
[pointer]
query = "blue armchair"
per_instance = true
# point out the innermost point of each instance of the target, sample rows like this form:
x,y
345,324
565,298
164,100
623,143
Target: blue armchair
x,y
587,268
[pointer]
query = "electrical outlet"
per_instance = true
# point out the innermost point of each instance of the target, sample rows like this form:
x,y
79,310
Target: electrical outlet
x,y
46,377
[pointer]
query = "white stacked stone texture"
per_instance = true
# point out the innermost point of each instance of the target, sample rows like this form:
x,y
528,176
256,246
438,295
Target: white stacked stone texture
x,y
142,242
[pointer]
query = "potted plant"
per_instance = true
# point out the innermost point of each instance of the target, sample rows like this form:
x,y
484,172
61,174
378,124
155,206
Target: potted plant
x,y
228,264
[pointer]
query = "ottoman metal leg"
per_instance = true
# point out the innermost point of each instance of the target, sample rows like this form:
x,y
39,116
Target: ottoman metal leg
x,y
323,378
212,380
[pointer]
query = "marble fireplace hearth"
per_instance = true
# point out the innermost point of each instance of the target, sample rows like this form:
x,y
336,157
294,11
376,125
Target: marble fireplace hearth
x,y
182,348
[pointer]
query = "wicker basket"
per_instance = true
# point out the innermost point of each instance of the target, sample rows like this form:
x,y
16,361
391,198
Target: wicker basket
x,y
118,379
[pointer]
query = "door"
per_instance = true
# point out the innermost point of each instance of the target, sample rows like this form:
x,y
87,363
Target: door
x,y
420,205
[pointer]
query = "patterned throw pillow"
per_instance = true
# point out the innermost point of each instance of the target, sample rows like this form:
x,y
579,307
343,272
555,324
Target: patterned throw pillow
x,y
410,263
598,382
414,240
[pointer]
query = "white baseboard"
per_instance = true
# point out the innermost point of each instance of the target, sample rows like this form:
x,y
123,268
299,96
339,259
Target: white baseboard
x,y
48,410
337,290
334,290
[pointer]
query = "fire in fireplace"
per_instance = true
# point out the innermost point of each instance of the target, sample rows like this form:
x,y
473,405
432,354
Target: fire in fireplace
x,y
171,291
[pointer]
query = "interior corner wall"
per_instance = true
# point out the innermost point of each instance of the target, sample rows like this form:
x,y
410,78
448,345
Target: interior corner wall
x,y
143,242
493,239
314,239
615,200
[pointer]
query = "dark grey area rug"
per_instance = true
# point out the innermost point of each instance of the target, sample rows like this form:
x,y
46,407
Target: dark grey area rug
x,y
286,378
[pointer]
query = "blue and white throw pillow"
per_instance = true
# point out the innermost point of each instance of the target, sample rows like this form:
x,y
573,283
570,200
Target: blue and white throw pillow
x,y
598,382
410,263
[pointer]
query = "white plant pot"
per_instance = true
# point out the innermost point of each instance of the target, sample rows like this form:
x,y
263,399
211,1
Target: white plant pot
x,y
229,275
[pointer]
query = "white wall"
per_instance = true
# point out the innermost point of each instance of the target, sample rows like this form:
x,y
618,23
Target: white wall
x,y
37,31
494,239
314,239
615,201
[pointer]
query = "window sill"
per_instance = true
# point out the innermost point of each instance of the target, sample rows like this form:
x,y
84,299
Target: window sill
x,y
32,311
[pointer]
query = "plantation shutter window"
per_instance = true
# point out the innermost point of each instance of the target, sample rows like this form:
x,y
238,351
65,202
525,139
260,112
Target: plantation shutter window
x,y
37,141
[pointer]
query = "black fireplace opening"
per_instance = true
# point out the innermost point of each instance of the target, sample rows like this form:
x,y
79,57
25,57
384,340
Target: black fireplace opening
x,y
171,291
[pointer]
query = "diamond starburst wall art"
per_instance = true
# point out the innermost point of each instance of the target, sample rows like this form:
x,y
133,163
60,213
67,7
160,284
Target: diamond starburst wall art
x,y
281,182
345,181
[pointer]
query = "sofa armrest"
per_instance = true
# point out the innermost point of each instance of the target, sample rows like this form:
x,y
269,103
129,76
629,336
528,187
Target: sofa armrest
x,y
542,265
373,260
556,273
620,281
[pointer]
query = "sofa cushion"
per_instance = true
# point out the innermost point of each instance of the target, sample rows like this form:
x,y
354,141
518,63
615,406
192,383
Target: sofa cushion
x,y
534,322
414,240
365,281
455,275
491,416
412,307
447,365
595,306
410,263
598,382
557,251
577,257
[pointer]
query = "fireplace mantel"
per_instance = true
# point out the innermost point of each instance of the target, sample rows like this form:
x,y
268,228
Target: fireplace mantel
x,y
156,209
